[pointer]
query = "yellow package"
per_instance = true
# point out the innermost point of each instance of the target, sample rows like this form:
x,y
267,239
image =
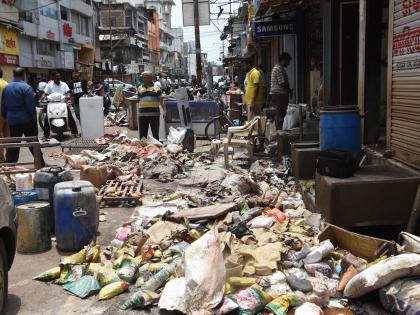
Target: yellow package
x,y
93,268
194,234
78,258
156,266
376,261
112,289
157,253
242,281
106,276
228,288
49,275
93,254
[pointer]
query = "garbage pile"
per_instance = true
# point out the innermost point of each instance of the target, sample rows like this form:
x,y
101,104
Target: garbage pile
x,y
255,248
128,159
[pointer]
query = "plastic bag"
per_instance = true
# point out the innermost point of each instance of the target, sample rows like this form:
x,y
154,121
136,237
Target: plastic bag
x,y
93,253
402,296
70,273
83,287
140,299
173,296
291,119
383,273
251,300
174,148
322,268
410,242
318,252
308,309
127,271
280,305
262,222
50,274
93,268
78,258
112,289
204,273
278,214
107,275
242,281
227,306
176,136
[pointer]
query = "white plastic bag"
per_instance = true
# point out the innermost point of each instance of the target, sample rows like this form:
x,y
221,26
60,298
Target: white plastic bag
x,y
292,117
318,252
173,296
205,274
383,273
176,136
309,309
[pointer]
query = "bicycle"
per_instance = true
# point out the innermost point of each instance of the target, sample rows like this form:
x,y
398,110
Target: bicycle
x,y
220,124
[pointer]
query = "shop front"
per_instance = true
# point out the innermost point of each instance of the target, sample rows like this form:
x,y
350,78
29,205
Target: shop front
x,y
9,52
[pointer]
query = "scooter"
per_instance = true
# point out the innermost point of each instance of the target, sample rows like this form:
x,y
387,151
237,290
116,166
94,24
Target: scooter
x,y
57,114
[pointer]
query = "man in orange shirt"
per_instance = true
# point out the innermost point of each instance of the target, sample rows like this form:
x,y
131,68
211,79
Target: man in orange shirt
x,y
4,129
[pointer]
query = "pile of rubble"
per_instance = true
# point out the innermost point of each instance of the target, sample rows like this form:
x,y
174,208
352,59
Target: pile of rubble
x,y
246,243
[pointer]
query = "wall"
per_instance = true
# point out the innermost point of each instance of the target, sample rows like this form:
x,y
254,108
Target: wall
x,y
26,52
8,13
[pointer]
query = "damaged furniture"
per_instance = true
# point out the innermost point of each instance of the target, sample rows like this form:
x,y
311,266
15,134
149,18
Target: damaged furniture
x,y
30,142
245,135
375,195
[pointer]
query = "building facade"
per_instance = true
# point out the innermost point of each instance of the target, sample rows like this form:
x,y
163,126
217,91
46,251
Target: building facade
x,y
56,36
123,38
9,42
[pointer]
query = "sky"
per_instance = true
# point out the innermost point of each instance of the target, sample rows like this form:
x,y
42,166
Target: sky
x,y
209,35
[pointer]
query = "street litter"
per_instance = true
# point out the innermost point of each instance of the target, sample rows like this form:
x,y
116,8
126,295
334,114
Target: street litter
x,y
245,243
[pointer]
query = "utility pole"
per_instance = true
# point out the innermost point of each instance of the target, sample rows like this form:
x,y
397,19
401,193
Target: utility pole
x,y
110,42
197,43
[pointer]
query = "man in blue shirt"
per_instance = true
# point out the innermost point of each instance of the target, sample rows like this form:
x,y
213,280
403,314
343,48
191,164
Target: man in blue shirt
x,y
18,107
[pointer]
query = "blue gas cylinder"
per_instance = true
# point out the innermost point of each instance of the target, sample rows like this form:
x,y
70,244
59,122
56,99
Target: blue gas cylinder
x,y
76,214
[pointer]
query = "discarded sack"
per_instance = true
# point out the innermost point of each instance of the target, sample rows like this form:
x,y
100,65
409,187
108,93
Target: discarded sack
x,y
173,296
85,286
112,289
308,309
49,275
401,296
140,299
204,273
383,273
251,300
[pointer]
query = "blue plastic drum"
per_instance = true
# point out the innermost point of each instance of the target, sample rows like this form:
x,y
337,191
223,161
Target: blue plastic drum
x,y
340,129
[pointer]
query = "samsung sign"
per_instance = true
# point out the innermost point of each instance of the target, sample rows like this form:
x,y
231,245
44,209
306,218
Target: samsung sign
x,y
274,28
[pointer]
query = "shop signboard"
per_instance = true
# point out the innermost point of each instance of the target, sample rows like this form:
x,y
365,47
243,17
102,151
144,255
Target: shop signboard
x,y
46,62
274,27
9,43
9,59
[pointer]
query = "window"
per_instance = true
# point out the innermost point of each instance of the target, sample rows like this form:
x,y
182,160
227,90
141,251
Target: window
x,y
128,18
84,26
45,47
49,11
64,13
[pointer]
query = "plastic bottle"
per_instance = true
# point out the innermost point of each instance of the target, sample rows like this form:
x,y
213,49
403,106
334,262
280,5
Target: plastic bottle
x,y
23,182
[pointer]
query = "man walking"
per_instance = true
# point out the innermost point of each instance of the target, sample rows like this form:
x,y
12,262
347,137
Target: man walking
x,y
18,107
254,91
150,99
78,88
280,89
58,86
4,129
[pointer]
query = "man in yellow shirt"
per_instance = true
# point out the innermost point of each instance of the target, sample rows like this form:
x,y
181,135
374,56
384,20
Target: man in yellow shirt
x,y
4,129
254,91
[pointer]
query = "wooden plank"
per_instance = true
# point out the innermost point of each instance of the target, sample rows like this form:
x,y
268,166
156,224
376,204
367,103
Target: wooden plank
x,y
202,213
362,64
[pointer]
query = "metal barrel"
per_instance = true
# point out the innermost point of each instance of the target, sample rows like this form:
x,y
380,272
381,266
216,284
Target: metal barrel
x,y
33,234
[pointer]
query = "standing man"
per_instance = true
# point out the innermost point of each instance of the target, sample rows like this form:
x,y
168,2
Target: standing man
x,y
150,99
280,89
4,129
78,88
58,86
18,107
254,91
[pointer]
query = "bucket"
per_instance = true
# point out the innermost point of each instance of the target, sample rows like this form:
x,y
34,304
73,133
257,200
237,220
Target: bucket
x,y
33,234
340,129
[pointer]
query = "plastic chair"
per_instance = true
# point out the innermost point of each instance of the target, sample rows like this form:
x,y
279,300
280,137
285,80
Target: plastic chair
x,y
244,136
